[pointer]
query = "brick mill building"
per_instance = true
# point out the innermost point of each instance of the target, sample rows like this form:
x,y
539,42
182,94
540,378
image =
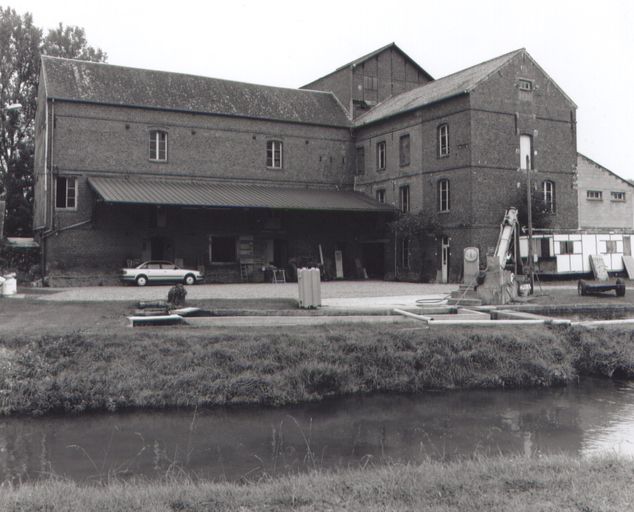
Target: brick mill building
x,y
134,164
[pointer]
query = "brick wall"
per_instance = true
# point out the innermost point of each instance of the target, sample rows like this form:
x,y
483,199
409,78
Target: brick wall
x,y
202,146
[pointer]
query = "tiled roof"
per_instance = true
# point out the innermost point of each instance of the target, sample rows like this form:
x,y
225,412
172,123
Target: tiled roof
x,y
185,192
452,85
82,81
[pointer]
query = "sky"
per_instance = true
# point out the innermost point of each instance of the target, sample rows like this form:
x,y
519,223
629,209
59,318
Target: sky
x,y
587,47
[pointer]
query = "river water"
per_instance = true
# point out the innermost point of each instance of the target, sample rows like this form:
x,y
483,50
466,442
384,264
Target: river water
x,y
594,417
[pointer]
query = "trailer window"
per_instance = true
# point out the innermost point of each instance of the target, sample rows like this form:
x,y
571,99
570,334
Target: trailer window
x,y
566,247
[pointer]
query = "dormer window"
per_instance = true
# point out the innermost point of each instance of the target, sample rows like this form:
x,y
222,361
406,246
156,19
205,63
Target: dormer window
x,y
158,146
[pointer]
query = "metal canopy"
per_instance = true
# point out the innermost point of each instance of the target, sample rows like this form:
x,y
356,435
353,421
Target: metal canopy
x,y
185,192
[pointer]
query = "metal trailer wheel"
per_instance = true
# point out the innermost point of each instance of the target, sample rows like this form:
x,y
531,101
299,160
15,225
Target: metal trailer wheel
x,y
581,288
620,288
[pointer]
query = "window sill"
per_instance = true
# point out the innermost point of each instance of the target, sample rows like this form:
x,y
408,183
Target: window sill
x,y
444,211
443,156
275,168
157,161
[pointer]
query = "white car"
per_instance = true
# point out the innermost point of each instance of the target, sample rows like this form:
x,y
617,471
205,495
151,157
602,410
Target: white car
x,y
160,272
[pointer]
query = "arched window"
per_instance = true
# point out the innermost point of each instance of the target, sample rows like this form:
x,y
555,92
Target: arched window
x,y
158,146
443,196
548,188
443,140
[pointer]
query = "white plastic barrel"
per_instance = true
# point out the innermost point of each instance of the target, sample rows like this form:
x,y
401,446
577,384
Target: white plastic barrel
x,y
309,283
9,287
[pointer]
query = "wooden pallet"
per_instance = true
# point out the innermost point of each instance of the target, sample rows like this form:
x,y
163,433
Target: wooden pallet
x,y
628,263
599,269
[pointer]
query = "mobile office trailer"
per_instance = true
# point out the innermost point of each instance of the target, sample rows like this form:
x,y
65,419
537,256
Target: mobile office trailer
x,y
561,253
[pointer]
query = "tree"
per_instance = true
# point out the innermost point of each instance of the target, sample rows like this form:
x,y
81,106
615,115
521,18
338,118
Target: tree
x,y
540,210
71,43
21,45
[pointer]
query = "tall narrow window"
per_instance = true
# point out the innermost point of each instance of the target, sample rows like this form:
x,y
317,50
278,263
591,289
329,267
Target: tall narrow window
x,y
526,152
548,188
403,198
443,140
66,193
380,156
405,253
380,195
443,196
158,146
274,158
403,150
360,160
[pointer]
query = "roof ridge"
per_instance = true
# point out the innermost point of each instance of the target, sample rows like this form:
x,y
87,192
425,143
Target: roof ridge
x,y
368,56
133,68
605,169
505,57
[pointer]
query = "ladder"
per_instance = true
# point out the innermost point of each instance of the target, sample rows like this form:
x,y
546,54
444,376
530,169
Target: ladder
x,y
244,272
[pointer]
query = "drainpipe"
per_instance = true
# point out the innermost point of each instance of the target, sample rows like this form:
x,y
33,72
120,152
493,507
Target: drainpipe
x,y
52,232
51,166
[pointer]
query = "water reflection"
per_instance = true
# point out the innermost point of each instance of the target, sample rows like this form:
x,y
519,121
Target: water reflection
x,y
594,417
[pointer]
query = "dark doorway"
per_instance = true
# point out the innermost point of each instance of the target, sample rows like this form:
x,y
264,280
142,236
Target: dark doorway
x,y
160,248
280,253
374,259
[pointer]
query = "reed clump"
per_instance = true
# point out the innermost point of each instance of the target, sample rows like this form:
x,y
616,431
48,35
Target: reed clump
x,y
140,368
553,482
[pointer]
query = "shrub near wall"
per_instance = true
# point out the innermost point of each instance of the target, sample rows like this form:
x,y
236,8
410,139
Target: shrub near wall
x,y
24,262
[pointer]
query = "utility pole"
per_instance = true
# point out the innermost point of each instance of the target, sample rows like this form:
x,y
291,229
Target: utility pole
x,y
529,203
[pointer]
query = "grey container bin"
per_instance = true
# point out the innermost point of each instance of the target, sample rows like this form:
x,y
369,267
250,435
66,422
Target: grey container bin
x,y
309,283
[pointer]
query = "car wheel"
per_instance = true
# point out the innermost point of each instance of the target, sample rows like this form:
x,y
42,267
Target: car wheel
x,y
141,280
189,279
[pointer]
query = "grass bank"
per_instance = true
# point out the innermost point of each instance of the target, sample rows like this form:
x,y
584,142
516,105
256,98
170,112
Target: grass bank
x,y
154,368
552,483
